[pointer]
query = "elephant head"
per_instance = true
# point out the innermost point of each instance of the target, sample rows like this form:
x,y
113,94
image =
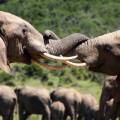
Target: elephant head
x,y
102,54
20,42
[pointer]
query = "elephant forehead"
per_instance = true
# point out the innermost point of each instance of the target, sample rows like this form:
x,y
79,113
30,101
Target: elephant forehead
x,y
110,38
8,17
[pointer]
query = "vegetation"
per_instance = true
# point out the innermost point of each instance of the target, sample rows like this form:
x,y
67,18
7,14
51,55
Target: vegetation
x,y
90,17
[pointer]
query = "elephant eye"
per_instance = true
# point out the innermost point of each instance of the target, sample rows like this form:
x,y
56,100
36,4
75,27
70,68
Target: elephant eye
x,y
107,48
24,31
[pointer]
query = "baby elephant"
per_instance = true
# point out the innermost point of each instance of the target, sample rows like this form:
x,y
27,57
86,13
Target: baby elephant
x,y
71,100
88,108
57,110
7,102
33,101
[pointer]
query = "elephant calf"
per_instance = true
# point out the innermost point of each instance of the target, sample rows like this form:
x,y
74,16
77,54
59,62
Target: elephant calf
x,y
71,100
33,101
7,102
57,111
88,108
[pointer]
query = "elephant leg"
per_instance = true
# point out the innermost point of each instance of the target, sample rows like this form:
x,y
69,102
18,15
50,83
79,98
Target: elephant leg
x,y
12,112
4,117
44,118
11,115
88,117
73,115
23,114
79,117
6,114
114,111
103,99
65,116
26,115
62,117
47,113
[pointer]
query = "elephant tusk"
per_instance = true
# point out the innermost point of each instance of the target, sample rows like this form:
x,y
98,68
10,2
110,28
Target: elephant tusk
x,y
48,66
49,56
75,64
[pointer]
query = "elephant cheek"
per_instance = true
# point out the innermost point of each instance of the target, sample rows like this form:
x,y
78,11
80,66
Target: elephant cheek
x,y
91,61
35,49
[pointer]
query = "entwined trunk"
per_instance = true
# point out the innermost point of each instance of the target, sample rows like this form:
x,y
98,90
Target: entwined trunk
x,y
65,45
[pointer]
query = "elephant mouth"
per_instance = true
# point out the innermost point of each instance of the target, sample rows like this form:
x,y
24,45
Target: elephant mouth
x,y
97,66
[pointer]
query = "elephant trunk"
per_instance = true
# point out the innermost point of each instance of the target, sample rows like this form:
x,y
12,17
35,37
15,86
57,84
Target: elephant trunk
x,y
65,45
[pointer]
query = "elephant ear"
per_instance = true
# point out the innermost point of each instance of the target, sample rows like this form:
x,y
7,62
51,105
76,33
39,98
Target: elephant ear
x,y
3,57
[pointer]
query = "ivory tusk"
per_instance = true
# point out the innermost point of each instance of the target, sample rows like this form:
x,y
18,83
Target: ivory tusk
x,y
75,64
49,56
48,66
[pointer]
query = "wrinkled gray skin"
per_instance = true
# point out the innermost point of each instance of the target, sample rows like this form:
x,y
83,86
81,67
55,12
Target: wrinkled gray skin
x,y
8,100
57,110
65,46
110,90
88,110
19,41
102,54
33,101
71,100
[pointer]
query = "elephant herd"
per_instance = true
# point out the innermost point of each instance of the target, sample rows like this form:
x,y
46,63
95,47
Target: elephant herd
x,y
57,105
61,103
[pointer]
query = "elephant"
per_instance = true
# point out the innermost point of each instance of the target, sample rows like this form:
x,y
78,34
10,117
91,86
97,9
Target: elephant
x,y
20,42
100,54
57,110
8,101
33,101
110,90
71,100
88,108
